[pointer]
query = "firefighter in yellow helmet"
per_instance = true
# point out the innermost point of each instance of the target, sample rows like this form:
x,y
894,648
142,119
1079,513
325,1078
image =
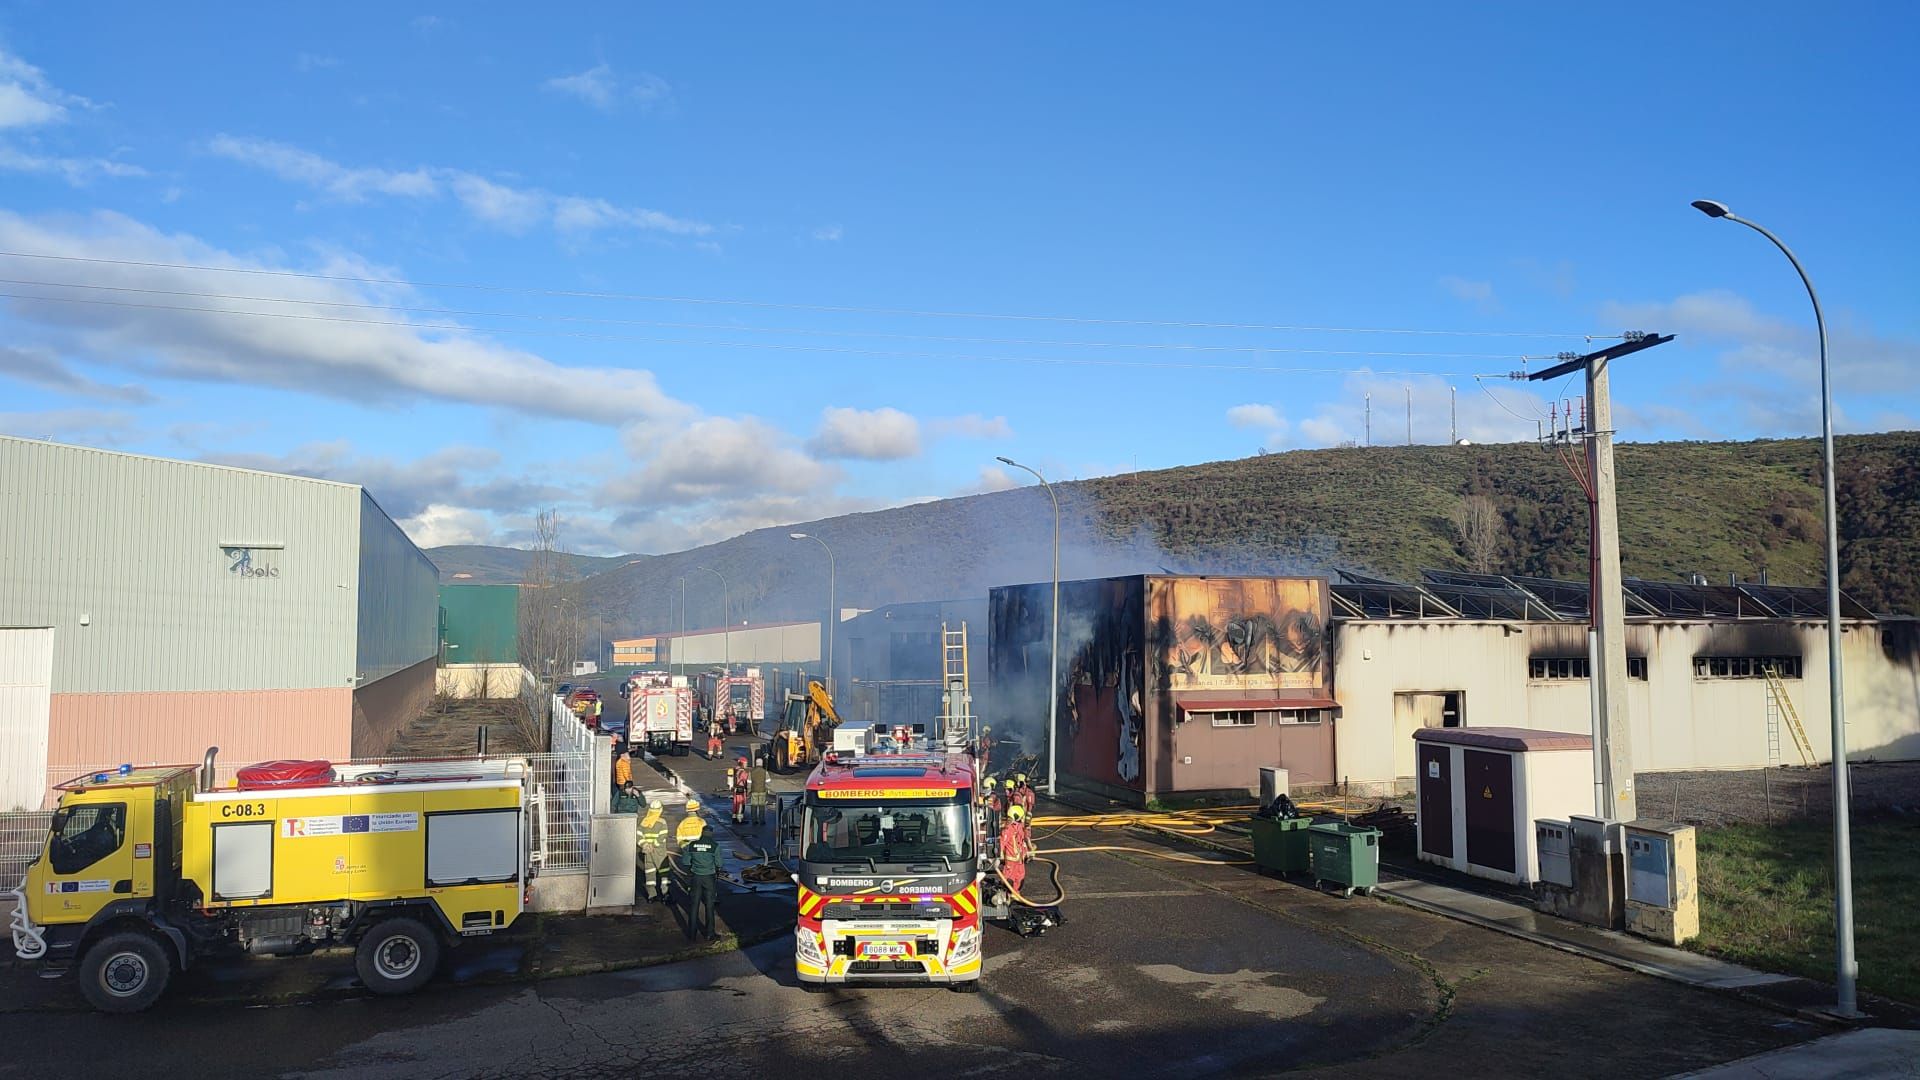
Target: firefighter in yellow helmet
x,y
1016,846
650,836
689,828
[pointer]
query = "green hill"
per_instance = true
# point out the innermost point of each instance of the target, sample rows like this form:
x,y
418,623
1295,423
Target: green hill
x,y
480,564
1710,508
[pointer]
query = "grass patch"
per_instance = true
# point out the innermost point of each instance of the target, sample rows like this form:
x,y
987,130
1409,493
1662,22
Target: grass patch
x,y
1766,900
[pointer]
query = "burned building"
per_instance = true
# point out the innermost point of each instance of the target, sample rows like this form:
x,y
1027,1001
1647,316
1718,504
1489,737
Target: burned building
x,y
1168,683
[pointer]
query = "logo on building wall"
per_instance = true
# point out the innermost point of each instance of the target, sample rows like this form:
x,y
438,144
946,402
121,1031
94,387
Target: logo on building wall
x,y
242,564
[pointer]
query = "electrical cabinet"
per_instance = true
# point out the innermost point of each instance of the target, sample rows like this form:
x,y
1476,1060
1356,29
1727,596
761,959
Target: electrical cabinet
x,y
1663,895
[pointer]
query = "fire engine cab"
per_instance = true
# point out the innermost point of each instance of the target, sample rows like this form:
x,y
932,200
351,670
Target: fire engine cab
x,y
888,874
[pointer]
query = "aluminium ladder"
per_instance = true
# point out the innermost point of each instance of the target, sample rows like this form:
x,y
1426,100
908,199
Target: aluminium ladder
x,y
1779,708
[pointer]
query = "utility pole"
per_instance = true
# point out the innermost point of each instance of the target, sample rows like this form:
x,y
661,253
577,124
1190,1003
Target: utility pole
x,y
1453,416
1369,406
1409,389
1612,733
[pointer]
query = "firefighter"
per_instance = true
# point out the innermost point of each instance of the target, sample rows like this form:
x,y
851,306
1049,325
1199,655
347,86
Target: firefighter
x,y
986,747
622,771
1023,793
741,785
689,828
650,835
702,858
758,794
715,745
1015,848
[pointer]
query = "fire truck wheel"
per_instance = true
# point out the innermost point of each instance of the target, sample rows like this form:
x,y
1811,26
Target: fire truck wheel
x,y
397,956
125,972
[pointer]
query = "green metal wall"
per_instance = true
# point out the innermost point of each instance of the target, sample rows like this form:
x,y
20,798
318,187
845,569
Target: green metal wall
x,y
483,620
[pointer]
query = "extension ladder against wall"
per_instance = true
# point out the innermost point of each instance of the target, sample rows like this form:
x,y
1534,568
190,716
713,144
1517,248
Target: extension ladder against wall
x,y
1780,708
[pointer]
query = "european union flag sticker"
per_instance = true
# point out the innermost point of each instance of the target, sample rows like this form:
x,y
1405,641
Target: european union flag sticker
x,y
354,823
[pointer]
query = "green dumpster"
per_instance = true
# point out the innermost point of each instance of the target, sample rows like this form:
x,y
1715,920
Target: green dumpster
x,y
1347,855
1280,844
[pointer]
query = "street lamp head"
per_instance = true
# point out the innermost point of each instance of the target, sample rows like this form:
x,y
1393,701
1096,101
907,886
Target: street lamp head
x,y
1712,209
1007,461
797,536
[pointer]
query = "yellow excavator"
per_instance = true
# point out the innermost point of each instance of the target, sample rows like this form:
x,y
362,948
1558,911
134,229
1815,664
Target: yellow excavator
x,y
805,729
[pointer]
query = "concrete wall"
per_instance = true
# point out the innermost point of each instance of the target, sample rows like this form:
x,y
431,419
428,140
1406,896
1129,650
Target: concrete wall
x,y
1678,721
381,710
493,681
177,576
789,643
398,619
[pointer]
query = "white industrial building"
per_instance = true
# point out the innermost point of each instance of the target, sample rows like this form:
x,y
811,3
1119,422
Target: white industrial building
x,y
1463,650
151,608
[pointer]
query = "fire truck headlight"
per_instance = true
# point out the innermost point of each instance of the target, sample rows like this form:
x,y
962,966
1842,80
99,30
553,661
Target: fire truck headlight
x,y
807,948
966,945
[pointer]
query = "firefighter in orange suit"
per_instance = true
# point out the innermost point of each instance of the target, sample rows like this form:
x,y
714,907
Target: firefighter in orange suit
x,y
742,784
1016,847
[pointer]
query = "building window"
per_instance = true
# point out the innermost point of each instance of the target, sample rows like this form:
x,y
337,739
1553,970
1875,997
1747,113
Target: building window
x,y
1555,669
1300,716
1233,718
1745,667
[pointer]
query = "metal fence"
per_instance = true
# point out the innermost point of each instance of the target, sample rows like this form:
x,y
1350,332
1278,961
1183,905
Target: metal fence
x,y
562,793
21,835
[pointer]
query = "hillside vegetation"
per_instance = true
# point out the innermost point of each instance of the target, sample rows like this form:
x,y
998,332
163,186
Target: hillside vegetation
x,y
1711,508
486,565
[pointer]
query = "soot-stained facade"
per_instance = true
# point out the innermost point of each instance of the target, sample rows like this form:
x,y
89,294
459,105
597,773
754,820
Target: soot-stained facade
x,y
1168,684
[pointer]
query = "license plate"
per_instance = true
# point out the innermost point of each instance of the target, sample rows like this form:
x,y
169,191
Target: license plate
x,y
885,948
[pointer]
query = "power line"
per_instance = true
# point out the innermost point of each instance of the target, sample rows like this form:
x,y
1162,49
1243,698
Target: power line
x,y
801,331
775,305
839,350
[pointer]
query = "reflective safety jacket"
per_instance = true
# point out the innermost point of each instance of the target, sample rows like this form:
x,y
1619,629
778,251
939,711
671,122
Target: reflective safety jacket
x,y
651,834
690,829
1015,844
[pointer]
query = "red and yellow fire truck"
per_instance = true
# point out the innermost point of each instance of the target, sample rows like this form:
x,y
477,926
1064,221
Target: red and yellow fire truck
x,y
888,872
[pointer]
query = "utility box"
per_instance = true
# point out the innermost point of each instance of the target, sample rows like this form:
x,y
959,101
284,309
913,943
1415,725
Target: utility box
x,y
1663,892
1482,788
1273,784
1553,848
611,862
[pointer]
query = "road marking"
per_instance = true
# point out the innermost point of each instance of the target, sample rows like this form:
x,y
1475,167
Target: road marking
x,y
1133,894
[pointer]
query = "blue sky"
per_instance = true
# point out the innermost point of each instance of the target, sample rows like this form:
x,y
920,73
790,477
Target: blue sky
x,y
681,273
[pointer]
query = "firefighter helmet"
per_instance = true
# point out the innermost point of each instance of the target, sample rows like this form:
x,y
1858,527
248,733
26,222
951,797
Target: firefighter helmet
x,y
1016,812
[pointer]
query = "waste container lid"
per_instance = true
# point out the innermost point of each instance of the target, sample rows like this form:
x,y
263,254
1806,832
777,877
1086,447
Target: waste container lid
x,y
1516,739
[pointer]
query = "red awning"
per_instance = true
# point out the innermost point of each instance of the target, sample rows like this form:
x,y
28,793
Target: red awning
x,y
1236,704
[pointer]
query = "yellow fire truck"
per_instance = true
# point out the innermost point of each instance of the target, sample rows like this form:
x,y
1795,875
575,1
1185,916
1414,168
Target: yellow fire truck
x,y
145,870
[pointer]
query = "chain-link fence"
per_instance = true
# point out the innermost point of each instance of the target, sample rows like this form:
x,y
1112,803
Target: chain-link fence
x,y
22,834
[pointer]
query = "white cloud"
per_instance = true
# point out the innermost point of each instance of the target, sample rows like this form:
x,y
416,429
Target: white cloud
x,y
830,234
76,171
354,361
427,24
715,458
98,426
602,88
883,434
44,368
307,61
27,99
1477,293
492,203
972,426
303,167
992,478
439,525
1481,417
1256,417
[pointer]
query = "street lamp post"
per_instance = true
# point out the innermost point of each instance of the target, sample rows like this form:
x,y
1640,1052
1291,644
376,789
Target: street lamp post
x,y
833,610
1846,968
680,643
726,617
1053,663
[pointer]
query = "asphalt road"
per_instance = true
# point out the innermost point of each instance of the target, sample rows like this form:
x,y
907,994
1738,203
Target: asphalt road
x,y
1162,969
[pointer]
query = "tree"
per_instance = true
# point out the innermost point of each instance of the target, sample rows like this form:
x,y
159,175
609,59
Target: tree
x,y
1479,525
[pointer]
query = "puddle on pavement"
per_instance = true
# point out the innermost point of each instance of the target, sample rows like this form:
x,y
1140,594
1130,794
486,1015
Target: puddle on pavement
x,y
1245,990
501,960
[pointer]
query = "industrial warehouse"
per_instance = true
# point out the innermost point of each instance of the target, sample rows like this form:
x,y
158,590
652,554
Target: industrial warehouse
x,y
1189,685
152,608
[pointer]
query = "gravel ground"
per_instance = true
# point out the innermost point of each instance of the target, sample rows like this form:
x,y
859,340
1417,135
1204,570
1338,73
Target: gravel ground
x,y
449,727
1772,796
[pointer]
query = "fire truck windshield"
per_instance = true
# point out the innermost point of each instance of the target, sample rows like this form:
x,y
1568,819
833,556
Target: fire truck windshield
x,y
902,831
